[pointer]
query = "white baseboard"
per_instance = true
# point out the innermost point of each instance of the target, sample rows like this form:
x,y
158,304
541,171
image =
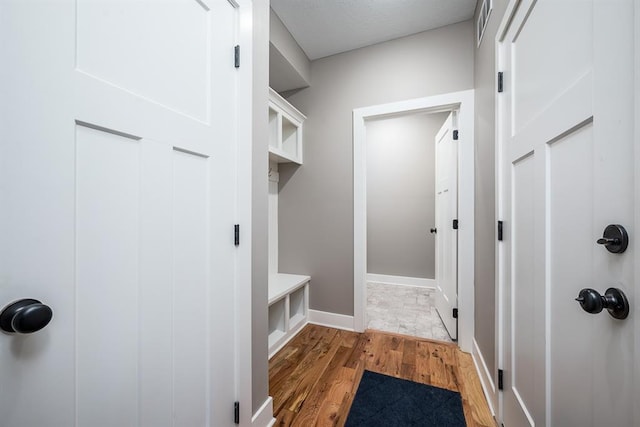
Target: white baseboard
x,y
264,416
486,378
332,320
401,280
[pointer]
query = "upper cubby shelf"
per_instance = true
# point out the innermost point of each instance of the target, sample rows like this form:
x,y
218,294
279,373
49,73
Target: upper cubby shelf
x,y
285,130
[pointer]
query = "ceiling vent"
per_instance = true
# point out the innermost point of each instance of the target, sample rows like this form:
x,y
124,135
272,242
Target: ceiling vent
x,y
483,18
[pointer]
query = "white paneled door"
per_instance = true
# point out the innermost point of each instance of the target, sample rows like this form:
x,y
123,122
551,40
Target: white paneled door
x,y
117,204
446,234
566,172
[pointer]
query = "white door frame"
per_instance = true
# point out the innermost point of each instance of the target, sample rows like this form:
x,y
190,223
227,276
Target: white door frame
x,y
462,101
244,365
495,397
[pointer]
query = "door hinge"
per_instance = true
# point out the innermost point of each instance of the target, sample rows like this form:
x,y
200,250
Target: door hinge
x,y
236,412
455,313
500,81
500,231
500,379
455,224
455,135
236,56
236,234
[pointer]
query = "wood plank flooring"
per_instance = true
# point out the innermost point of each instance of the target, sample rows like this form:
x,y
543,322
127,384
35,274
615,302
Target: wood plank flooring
x,y
314,378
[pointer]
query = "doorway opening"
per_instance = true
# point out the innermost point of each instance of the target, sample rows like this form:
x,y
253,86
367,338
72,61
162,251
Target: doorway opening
x,y
462,102
401,211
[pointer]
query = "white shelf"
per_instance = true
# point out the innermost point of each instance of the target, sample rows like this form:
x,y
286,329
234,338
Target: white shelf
x,y
285,130
288,308
280,156
282,284
288,294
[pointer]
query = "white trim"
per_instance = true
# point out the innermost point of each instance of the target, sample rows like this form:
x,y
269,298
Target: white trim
x,y
385,279
264,416
499,211
243,288
509,12
486,378
331,320
463,102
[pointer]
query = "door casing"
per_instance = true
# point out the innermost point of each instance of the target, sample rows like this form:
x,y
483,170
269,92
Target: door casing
x,y
462,101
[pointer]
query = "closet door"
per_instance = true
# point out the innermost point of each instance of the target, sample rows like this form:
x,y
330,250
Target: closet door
x,y
118,204
567,172
447,235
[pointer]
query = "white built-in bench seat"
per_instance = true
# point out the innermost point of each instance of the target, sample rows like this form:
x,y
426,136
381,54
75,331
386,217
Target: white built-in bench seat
x,y
288,308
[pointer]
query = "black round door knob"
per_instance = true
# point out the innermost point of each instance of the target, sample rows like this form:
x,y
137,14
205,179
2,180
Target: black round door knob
x,y
614,300
433,230
590,300
25,316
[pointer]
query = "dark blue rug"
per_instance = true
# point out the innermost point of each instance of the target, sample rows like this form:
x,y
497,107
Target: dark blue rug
x,y
382,400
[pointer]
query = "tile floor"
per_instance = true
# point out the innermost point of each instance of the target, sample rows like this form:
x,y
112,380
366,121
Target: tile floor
x,y
405,310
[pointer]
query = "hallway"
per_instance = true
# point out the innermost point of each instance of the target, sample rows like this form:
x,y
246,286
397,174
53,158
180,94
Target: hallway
x,y
313,379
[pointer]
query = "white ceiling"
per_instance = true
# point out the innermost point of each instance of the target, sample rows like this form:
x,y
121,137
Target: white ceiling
x,y
327,27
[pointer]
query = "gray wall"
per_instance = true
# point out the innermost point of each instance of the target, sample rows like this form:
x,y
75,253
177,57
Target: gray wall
x,y
259,206
485,288
401,195
316,199
289,67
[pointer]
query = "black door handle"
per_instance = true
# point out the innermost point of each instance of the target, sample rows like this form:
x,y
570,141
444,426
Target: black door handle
x,y
25,316
614,238
433,230
614,300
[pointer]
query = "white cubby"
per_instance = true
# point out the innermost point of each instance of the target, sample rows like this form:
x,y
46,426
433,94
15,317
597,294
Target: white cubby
x,y
297,307
285,130
288,293
277,324
288,308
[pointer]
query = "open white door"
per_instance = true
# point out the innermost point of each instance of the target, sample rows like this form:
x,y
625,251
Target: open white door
x,y
117,209
446,235
566,172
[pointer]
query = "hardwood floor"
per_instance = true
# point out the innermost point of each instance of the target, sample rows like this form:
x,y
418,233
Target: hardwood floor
x,y
313,379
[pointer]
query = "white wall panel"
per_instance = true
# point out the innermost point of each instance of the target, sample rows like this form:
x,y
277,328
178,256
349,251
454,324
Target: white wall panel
x,y
524,294
571,258
156,286
107,212
539,81
191,339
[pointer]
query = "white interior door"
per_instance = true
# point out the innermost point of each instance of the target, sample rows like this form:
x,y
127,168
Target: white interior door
x,y
118,204
566,135
446,235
